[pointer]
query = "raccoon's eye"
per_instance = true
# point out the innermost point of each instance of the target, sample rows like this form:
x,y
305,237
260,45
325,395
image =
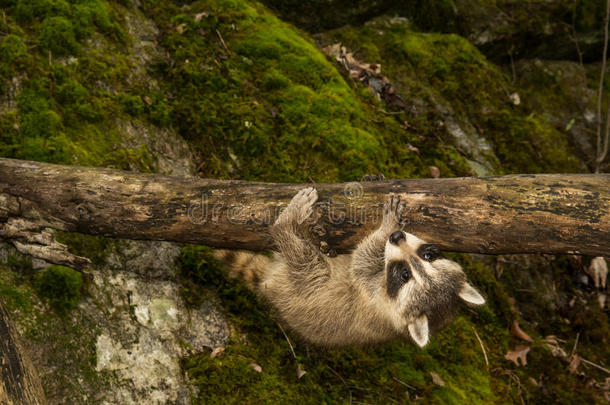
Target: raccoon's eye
x,y
429,252
405,276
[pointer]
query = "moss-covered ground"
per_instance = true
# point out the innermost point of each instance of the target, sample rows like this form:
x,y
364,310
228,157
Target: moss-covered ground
x,y
257,99
449,69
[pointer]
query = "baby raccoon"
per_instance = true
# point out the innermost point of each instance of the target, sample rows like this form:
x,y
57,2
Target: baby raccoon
x,y
393,285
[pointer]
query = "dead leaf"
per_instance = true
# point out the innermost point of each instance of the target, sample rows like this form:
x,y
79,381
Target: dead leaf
x,y
574,363
147,100
513,305
533,381
435,172
412,148
256,367
436,379
519,354
601,299
300,371
517,332
553,345
605,386
217,352
199,16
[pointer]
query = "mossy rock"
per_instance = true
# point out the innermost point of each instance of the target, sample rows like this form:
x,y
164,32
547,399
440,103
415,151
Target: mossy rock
x,y
439,70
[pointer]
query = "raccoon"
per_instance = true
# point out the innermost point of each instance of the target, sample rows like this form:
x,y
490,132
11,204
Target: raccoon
x,y
393,286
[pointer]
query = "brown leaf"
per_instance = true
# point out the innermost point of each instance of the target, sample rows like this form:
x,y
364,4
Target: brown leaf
x,y
147,100
517,332
412,148
436,379
514,98
256,367
300,371
553,345
199,16
217,352
435,172
520,353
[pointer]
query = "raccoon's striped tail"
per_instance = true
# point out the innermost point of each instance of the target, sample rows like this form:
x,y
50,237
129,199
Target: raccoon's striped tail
x,y
245,266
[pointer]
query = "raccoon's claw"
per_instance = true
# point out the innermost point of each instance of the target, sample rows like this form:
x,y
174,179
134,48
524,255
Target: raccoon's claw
x,y
300,207
392,211
373,177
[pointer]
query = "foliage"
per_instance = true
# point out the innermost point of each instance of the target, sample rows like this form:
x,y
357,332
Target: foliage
x,y
61,286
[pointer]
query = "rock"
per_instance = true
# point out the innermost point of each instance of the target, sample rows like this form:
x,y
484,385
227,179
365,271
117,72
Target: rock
x,y
170,152
145,333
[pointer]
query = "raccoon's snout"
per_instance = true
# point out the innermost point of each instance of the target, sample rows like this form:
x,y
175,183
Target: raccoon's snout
x,y
397,237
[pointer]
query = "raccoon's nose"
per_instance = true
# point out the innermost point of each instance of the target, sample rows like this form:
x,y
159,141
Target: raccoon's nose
x,y
396,237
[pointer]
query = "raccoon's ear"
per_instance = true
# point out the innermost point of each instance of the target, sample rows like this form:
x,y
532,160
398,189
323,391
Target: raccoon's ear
x,y
470,295
419,330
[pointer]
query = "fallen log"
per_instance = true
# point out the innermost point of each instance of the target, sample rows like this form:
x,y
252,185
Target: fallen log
x,y
545,213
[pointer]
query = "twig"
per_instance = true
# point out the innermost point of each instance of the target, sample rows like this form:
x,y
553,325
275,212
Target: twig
x,y
482,347
600,89
405,384
595,365
604,151
575,344
338,375
222,41
288,340
512,64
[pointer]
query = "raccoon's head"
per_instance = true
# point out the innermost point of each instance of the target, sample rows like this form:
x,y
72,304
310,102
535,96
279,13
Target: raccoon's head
x,y
423,287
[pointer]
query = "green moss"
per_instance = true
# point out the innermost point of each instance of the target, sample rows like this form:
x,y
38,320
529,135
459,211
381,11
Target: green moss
x,y
57,35
448,70
13,51
61,286
95,248
272,95
14,291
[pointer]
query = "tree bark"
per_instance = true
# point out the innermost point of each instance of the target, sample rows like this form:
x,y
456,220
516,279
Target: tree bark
x,y
546,213
19,383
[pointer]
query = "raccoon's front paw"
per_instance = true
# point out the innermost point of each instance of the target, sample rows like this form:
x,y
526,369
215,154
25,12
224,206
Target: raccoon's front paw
x,y
392,212
300,207
373,177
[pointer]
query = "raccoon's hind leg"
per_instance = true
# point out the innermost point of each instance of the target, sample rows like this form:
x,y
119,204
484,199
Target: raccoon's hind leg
x,y
251,268
304,260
